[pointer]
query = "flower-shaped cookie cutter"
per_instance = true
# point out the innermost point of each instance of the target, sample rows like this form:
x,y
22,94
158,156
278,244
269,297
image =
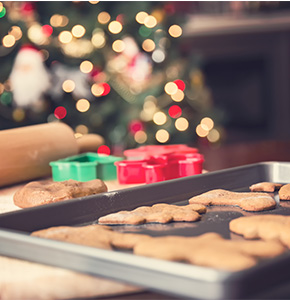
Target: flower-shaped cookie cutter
x,y
159,164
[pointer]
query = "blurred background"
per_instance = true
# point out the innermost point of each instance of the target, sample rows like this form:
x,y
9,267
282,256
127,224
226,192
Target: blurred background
x,y
212,74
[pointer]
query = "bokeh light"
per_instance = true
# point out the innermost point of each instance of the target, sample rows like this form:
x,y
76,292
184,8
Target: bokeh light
x,y
68,86
175,31
83,105
78,31
148,45
200,131
65,37
180,84
86,66
213,136
16,32
115,27
178,96
174,111
140,137
158,56
207,123
170,88
18,114
150,21
97,89
98,39
60,112
105,150
141,16
83,129
181,124
159,118
104,17
162,136
8,41
118,46
58,20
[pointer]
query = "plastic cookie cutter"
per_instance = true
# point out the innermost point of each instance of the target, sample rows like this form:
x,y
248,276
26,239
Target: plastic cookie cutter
x,y
145,152
159,167
85,167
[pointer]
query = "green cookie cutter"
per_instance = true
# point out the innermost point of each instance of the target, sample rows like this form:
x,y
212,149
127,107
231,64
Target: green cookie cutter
x,y
85,167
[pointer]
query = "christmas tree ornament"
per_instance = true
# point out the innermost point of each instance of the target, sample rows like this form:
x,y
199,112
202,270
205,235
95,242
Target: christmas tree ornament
x,y
29,77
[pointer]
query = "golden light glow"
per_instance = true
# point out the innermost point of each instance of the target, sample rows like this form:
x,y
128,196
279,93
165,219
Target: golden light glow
x,y
115,27
83,105
104,17
207,123
97,89
175,31
150,21
68,86
98,39
82,129
8,41
200,131
140,137
78,31
94,2
213,136
86,66
141,16
65,37
178,96
18,114
148,45
181,124
162,136
16,32
58,20
170,88
118,46
159,118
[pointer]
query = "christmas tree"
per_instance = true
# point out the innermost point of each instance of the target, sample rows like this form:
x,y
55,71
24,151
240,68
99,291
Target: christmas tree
x,y
112,68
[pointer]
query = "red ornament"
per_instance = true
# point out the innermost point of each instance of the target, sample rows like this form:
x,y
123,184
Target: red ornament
x,y
174,111
60,112
180,84
104,150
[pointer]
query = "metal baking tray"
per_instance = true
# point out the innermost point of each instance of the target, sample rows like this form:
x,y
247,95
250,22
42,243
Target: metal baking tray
x,y
268,279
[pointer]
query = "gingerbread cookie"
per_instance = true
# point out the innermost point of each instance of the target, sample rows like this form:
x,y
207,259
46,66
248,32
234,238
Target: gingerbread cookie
x,y
250,201
160,213
266,227
38,193
284,192
98,236
210,250
265,187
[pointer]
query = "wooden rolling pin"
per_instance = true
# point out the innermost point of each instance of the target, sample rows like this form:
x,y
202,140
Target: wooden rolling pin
x,y
25,152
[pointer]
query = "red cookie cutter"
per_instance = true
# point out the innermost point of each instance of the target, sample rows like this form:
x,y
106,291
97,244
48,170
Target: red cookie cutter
x,y
159,165
145,152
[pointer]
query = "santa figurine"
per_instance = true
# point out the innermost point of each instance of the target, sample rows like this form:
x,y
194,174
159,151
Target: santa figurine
x,y
29,78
